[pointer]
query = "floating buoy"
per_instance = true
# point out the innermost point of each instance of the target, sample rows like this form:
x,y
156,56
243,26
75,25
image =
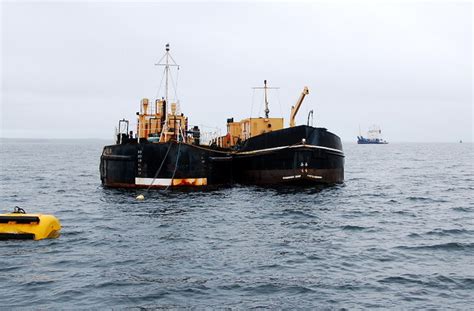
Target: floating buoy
x,y
140,197
22,226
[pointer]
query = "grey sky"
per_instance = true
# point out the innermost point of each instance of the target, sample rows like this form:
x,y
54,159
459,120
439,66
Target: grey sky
x,y
74,69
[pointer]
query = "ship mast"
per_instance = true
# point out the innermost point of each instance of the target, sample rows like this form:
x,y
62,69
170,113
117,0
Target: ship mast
x,y
167,69
265,88
267,111
167,64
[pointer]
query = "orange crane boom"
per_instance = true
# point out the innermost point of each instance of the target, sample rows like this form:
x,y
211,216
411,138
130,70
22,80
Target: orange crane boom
x,y
295,108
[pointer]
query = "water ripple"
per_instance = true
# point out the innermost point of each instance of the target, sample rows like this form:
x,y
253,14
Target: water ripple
x,y
393,236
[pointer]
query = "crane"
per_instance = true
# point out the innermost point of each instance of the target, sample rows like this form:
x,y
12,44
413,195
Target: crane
x,y
295,108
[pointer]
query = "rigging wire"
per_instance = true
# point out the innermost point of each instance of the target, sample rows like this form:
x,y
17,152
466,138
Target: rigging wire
x,y
161,83
260,106
279,102
253,99
174,62
160,59
176,86
159,169
173,85
176,165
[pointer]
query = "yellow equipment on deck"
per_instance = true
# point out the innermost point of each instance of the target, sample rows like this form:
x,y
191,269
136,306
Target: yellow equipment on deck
x,y
19,225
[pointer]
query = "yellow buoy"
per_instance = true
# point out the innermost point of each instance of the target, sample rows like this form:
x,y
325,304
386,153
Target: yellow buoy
x,y
19,225
140,197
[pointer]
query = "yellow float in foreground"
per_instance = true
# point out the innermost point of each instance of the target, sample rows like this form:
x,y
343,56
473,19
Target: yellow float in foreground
x,y
19,225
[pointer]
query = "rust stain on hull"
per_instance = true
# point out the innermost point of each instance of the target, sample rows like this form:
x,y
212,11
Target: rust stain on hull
x,y
189,182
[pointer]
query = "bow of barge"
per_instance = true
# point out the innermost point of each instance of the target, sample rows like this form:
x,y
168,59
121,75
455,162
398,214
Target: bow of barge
x,y
302,155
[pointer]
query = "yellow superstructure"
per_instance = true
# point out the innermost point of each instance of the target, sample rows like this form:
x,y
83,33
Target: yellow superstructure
x,y
154,123
246,128
256,126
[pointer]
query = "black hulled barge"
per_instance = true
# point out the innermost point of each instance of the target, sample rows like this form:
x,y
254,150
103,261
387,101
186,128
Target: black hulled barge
x,y
166,152
267,153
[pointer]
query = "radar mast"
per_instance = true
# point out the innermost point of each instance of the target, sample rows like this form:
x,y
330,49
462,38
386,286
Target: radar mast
x,y
265,88
167,61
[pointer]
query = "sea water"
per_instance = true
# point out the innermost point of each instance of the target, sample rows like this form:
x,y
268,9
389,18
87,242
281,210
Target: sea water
x,y
399,233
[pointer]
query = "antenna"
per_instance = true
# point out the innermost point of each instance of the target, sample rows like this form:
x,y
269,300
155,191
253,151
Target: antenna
x,y
265,88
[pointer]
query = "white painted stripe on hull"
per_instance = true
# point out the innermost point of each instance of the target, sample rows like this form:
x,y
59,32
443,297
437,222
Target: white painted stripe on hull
x,y
148,181
314,176
292,147
170,182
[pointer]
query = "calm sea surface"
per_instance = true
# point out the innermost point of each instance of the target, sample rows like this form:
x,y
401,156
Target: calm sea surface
x,y
399,233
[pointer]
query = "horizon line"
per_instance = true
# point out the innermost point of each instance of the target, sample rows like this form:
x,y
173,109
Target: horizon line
x,y
343,141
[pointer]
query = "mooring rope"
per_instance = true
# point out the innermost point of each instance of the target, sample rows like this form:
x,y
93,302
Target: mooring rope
x,y
176,165
159,169
141,196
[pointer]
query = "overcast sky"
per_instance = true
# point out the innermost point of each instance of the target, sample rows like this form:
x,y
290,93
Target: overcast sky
x,y
71,70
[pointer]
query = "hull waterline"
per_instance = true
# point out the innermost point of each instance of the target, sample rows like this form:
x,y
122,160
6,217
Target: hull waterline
x,y
309,156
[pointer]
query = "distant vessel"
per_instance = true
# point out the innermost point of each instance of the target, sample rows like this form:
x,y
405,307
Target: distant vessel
x,y
167,152
373,137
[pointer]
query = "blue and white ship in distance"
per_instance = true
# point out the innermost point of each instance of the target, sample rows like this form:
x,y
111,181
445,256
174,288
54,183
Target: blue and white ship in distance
x,y
373,137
